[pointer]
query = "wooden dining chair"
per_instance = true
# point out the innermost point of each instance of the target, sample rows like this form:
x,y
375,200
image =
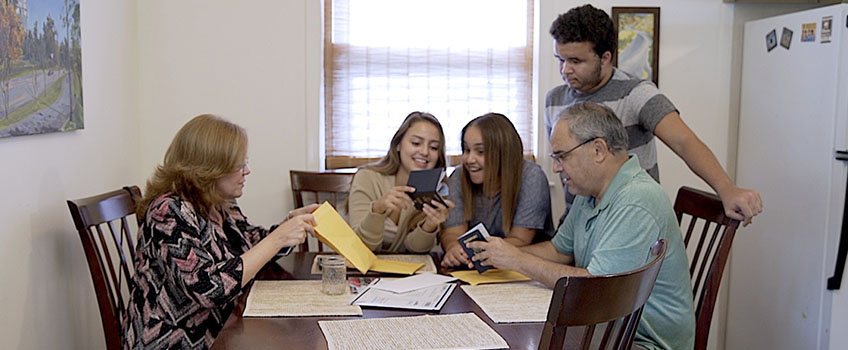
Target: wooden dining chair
x,y
316,187
708,237
615,300
111,260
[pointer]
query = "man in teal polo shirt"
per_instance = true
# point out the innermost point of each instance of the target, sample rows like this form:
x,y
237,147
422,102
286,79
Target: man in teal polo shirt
x,y
618,213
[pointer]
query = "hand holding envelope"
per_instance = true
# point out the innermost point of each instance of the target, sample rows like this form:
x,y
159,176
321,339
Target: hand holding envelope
x,y
336,233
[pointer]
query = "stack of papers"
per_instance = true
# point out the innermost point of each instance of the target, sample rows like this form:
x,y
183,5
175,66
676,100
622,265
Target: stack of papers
x,y
403,285
336,233
512,302
456,331
420,292
296,298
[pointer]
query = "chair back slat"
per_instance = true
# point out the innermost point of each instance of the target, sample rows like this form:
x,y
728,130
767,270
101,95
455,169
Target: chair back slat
x,y
705,209
592,300
607,335
697,256
315,187
111,277
117,228
706,257
688,231
114,292
587,337
128,239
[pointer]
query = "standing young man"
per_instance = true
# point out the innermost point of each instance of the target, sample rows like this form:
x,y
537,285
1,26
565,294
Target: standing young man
x,y
585,42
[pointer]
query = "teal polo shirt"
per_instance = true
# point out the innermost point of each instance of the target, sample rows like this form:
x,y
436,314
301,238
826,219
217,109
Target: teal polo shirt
x,y
616,235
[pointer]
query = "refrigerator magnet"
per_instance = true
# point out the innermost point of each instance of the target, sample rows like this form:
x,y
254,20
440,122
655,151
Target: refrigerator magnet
x,y
808,32
827,23
771,40
786,38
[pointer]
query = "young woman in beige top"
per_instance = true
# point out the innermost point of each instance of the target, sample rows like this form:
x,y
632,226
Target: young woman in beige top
x,y
381,211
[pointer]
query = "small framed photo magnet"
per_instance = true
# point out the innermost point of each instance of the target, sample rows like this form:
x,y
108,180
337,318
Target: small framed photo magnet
x,y
827,25
786,38
771,40
808,32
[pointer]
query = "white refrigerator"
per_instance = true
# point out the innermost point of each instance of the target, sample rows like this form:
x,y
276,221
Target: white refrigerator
x,y
792,148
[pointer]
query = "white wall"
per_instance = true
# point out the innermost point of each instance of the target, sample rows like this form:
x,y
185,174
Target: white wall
x,y
47,296
247,61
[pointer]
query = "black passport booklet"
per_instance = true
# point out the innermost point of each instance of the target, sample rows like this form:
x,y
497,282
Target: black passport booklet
x,y
478,233
426,183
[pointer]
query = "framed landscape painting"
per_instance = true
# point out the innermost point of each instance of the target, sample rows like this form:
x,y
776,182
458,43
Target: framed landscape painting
x,y
638,41
40,67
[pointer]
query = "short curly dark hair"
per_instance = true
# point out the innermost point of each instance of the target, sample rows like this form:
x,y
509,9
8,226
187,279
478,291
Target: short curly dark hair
x,y
586,23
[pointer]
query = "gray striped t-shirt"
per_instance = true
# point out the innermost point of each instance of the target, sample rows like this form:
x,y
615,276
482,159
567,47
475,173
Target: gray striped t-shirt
x,y
638,103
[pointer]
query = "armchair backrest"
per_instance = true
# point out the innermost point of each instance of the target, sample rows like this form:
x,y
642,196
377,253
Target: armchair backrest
x,y
708,250
616,300
111,260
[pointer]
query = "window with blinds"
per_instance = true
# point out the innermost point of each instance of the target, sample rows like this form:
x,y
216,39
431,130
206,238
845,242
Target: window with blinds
x,y
457,59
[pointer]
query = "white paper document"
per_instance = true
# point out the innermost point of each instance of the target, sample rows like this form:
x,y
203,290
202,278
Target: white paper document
x,y
446,332
406,284
512,302
428,298
296,298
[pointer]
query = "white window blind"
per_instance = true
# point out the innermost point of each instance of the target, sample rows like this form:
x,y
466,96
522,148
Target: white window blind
x,y
457,59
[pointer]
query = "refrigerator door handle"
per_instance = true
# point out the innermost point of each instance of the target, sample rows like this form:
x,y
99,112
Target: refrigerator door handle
x,y
835,281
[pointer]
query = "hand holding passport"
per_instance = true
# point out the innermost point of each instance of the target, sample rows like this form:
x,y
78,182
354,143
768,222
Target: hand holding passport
x,y
478,233
427,184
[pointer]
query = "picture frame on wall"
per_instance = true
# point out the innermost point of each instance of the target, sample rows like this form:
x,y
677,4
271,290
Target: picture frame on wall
x,y
638,31
40,67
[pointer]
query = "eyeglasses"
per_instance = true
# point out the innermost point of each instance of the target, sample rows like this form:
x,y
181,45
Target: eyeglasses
x,y
244,168
558,156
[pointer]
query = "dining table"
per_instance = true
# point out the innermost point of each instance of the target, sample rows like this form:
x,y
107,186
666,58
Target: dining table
x,y
241,332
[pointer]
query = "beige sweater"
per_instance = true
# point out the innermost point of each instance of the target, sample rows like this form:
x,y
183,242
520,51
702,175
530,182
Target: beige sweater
x,y
369,186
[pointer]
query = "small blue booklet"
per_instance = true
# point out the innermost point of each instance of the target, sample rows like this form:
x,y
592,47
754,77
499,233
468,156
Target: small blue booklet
x,y
478,233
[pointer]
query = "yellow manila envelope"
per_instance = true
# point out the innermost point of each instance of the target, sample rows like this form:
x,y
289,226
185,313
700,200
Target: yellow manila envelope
x,y
391,266
336,233
491,276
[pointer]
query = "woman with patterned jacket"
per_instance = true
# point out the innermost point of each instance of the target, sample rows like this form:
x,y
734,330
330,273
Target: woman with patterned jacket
x,y
196,250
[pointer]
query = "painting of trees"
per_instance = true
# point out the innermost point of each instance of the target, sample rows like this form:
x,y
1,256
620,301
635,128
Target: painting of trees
x,y
11,40
40,67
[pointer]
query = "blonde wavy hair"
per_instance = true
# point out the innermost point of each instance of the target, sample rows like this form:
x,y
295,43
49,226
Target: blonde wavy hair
x,y
203,150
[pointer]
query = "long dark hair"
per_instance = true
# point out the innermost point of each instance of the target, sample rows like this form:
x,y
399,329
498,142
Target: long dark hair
x,y
504,156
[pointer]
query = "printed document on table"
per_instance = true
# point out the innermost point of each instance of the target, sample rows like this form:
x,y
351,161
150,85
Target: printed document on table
x,y
429,298
406,284
512,302
446,332
296,298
